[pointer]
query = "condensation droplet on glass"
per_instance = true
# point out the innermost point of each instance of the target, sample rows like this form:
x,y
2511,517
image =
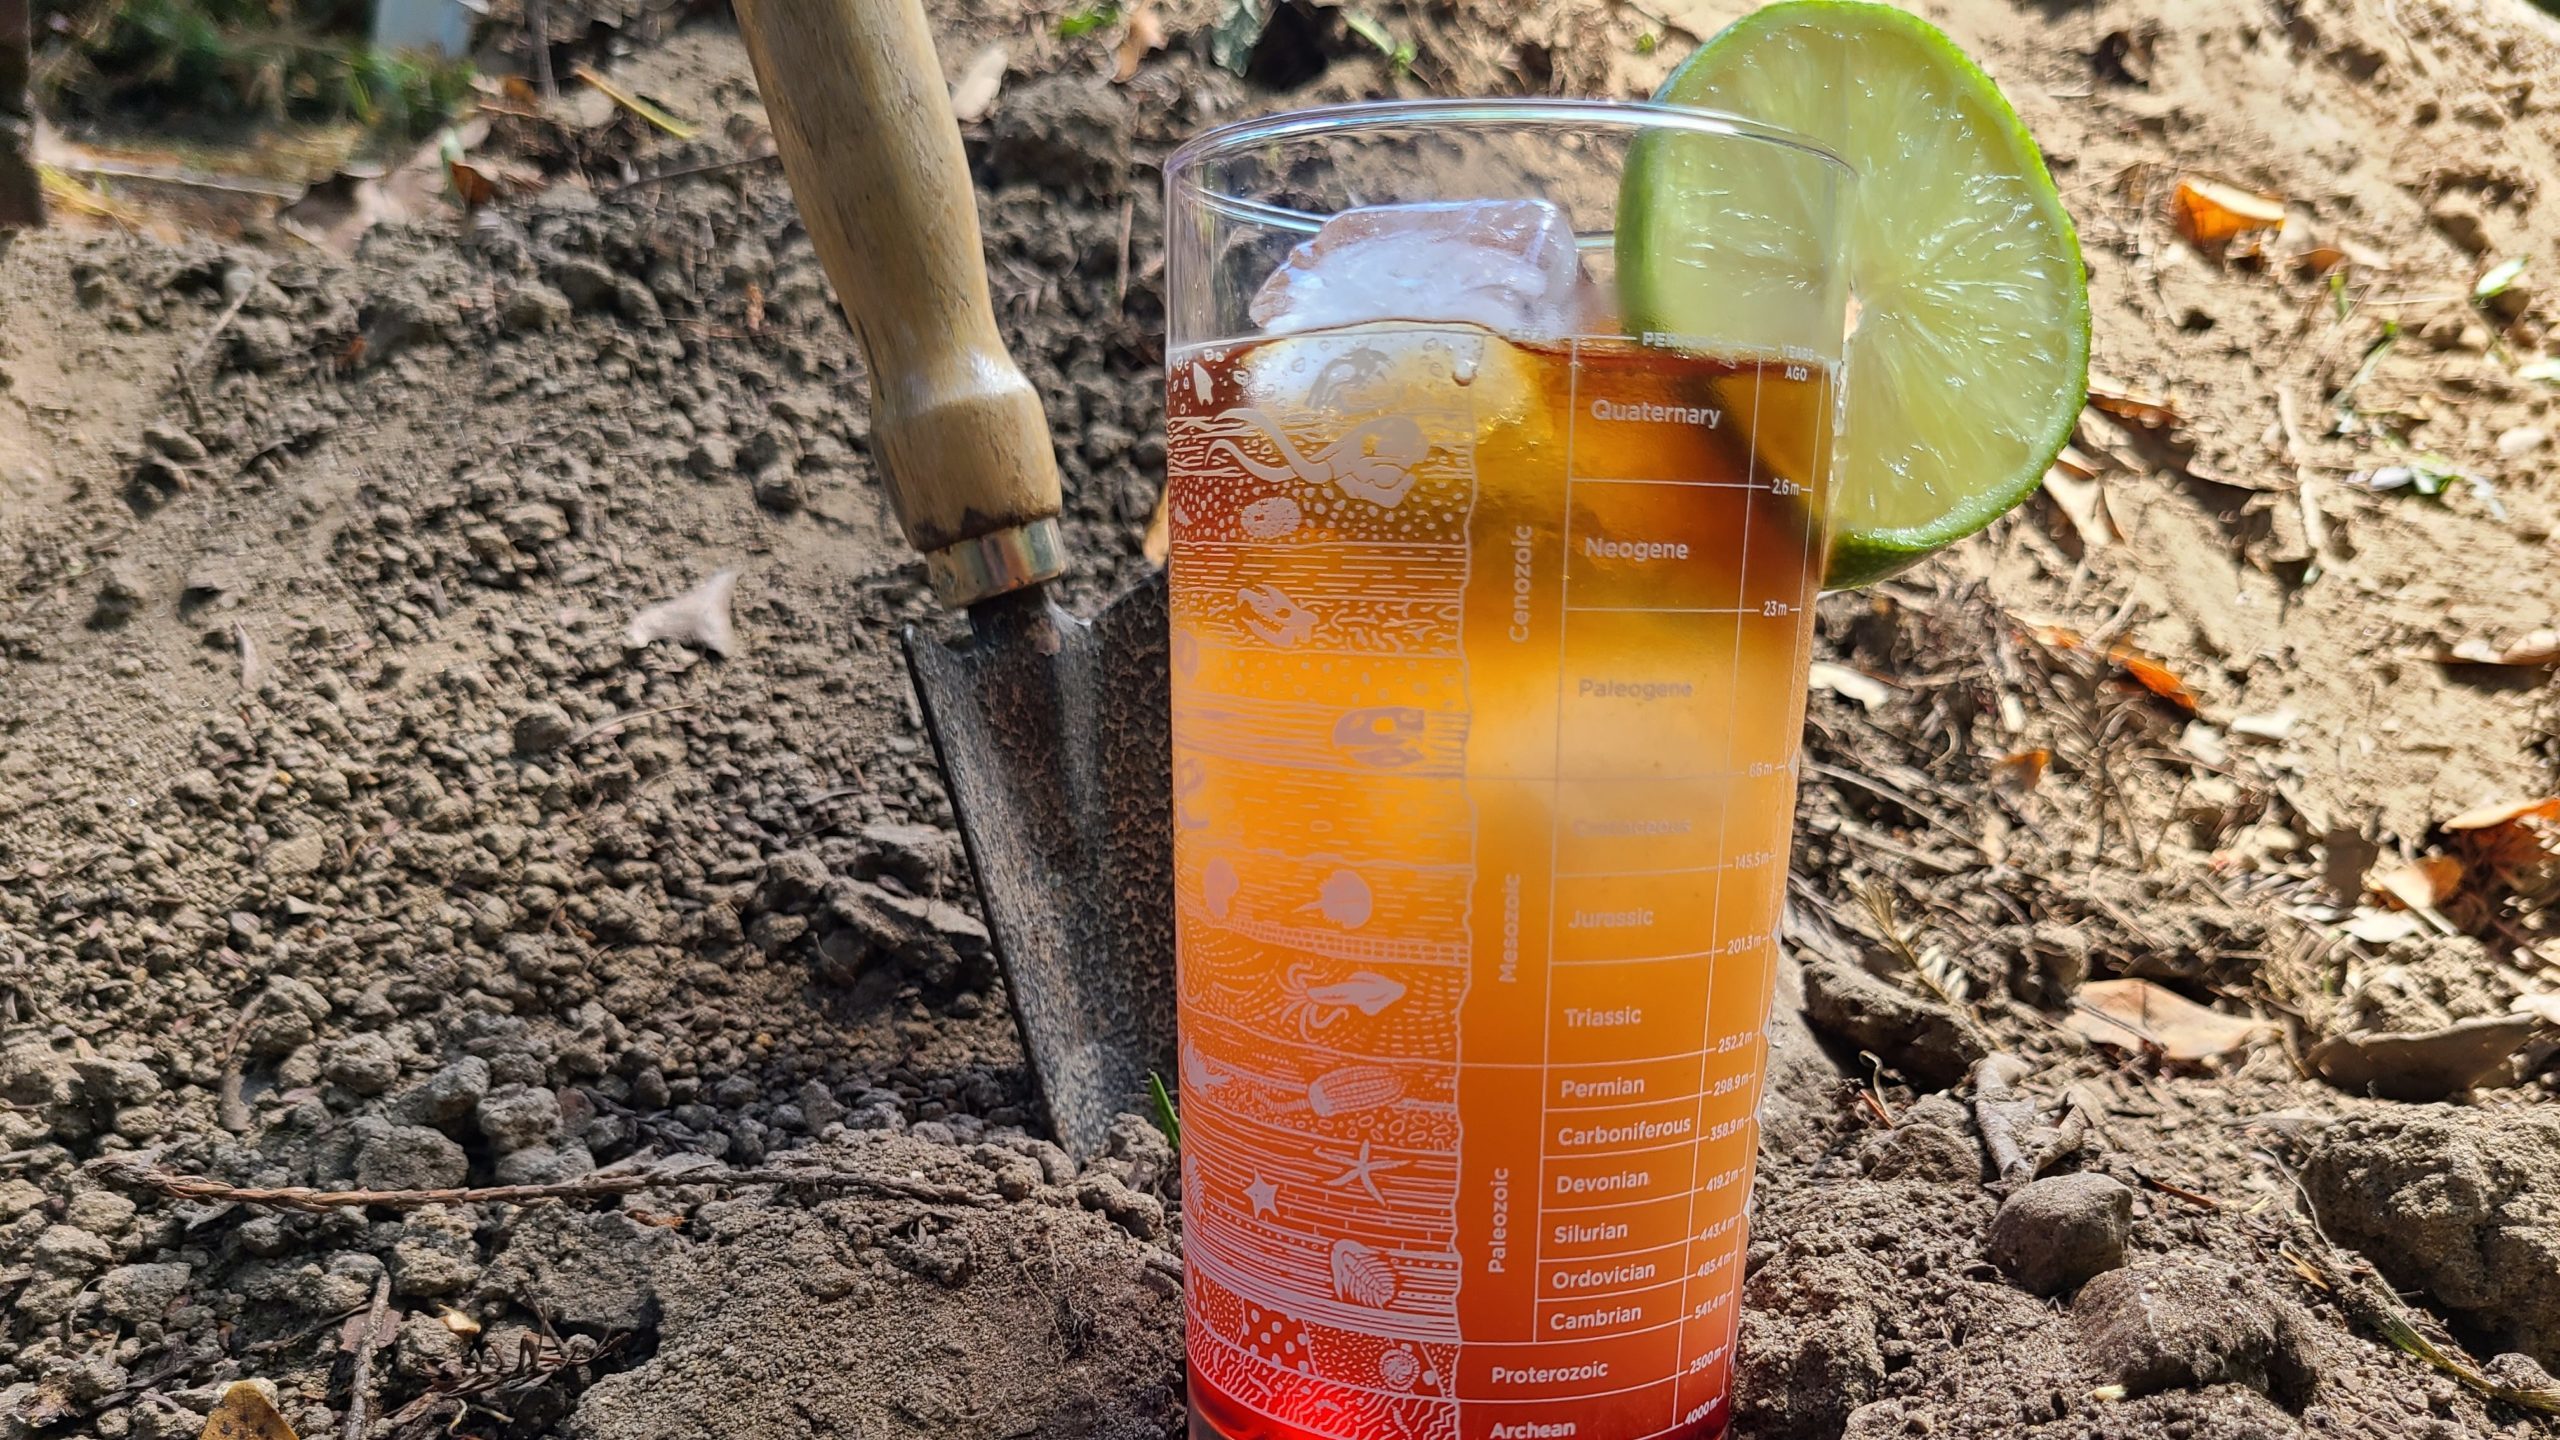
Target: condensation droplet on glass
x,y
1463,369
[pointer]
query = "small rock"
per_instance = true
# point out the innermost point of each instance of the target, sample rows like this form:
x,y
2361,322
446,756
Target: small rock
x,y
424,1348
2059,1232
407,1157
711,458
173,443
448,1095
70,1252
542,729
919,855
364,1064
545,1164
778,489
534,306
100,1212
2185,1325
135,1293
1925,1152
2522,440
295,857
119,600
517,1117
437,1254
1923,1039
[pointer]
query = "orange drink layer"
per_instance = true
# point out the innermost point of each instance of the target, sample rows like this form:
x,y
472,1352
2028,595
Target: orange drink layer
x,y
1489,663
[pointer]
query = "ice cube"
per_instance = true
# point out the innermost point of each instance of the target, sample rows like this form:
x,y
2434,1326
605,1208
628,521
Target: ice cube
x,y
1508,265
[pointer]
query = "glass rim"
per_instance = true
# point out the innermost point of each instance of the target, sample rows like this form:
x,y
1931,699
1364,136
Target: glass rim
x,y
1181,168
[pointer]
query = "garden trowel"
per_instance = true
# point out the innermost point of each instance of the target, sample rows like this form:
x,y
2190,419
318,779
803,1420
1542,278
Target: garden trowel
x,y
1051,729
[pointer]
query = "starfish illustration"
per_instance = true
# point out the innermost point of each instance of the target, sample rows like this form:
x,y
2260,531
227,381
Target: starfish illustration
x,y
1360,1170
1264,1195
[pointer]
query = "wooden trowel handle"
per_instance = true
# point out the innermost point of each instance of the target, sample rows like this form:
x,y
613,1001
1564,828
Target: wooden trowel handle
x,y
866,136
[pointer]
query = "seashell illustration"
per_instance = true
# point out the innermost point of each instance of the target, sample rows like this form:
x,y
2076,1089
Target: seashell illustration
x,y
1344,899
1218,886
1361,1275
1399,1369
1270,517
1353,1087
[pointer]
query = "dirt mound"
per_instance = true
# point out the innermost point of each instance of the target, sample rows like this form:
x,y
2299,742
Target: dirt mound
x,y
1057,1315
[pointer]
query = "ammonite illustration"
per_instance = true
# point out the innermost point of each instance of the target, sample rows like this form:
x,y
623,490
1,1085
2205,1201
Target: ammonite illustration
x,y
1373,460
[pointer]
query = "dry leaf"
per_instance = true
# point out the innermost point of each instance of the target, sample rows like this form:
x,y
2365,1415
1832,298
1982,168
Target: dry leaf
x,y
698,617
2517,843
2020,771
1159,538
2211,215
485,181
519,91
245,1413
2153,676
2131,1014
1145,35
2423,884
457,1322
1848,684
471,183
2542,647
974,93
2506,813
2114,397
2424,1065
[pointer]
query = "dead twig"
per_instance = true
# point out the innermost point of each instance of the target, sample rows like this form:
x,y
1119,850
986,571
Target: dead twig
x,y
360,1384
2196,1198
120,1170
2367,1303
231,1110
185,368
2000,1112
682,172
586,733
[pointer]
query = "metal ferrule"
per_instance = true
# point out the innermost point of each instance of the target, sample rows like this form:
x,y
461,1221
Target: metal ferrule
x,y
993,564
